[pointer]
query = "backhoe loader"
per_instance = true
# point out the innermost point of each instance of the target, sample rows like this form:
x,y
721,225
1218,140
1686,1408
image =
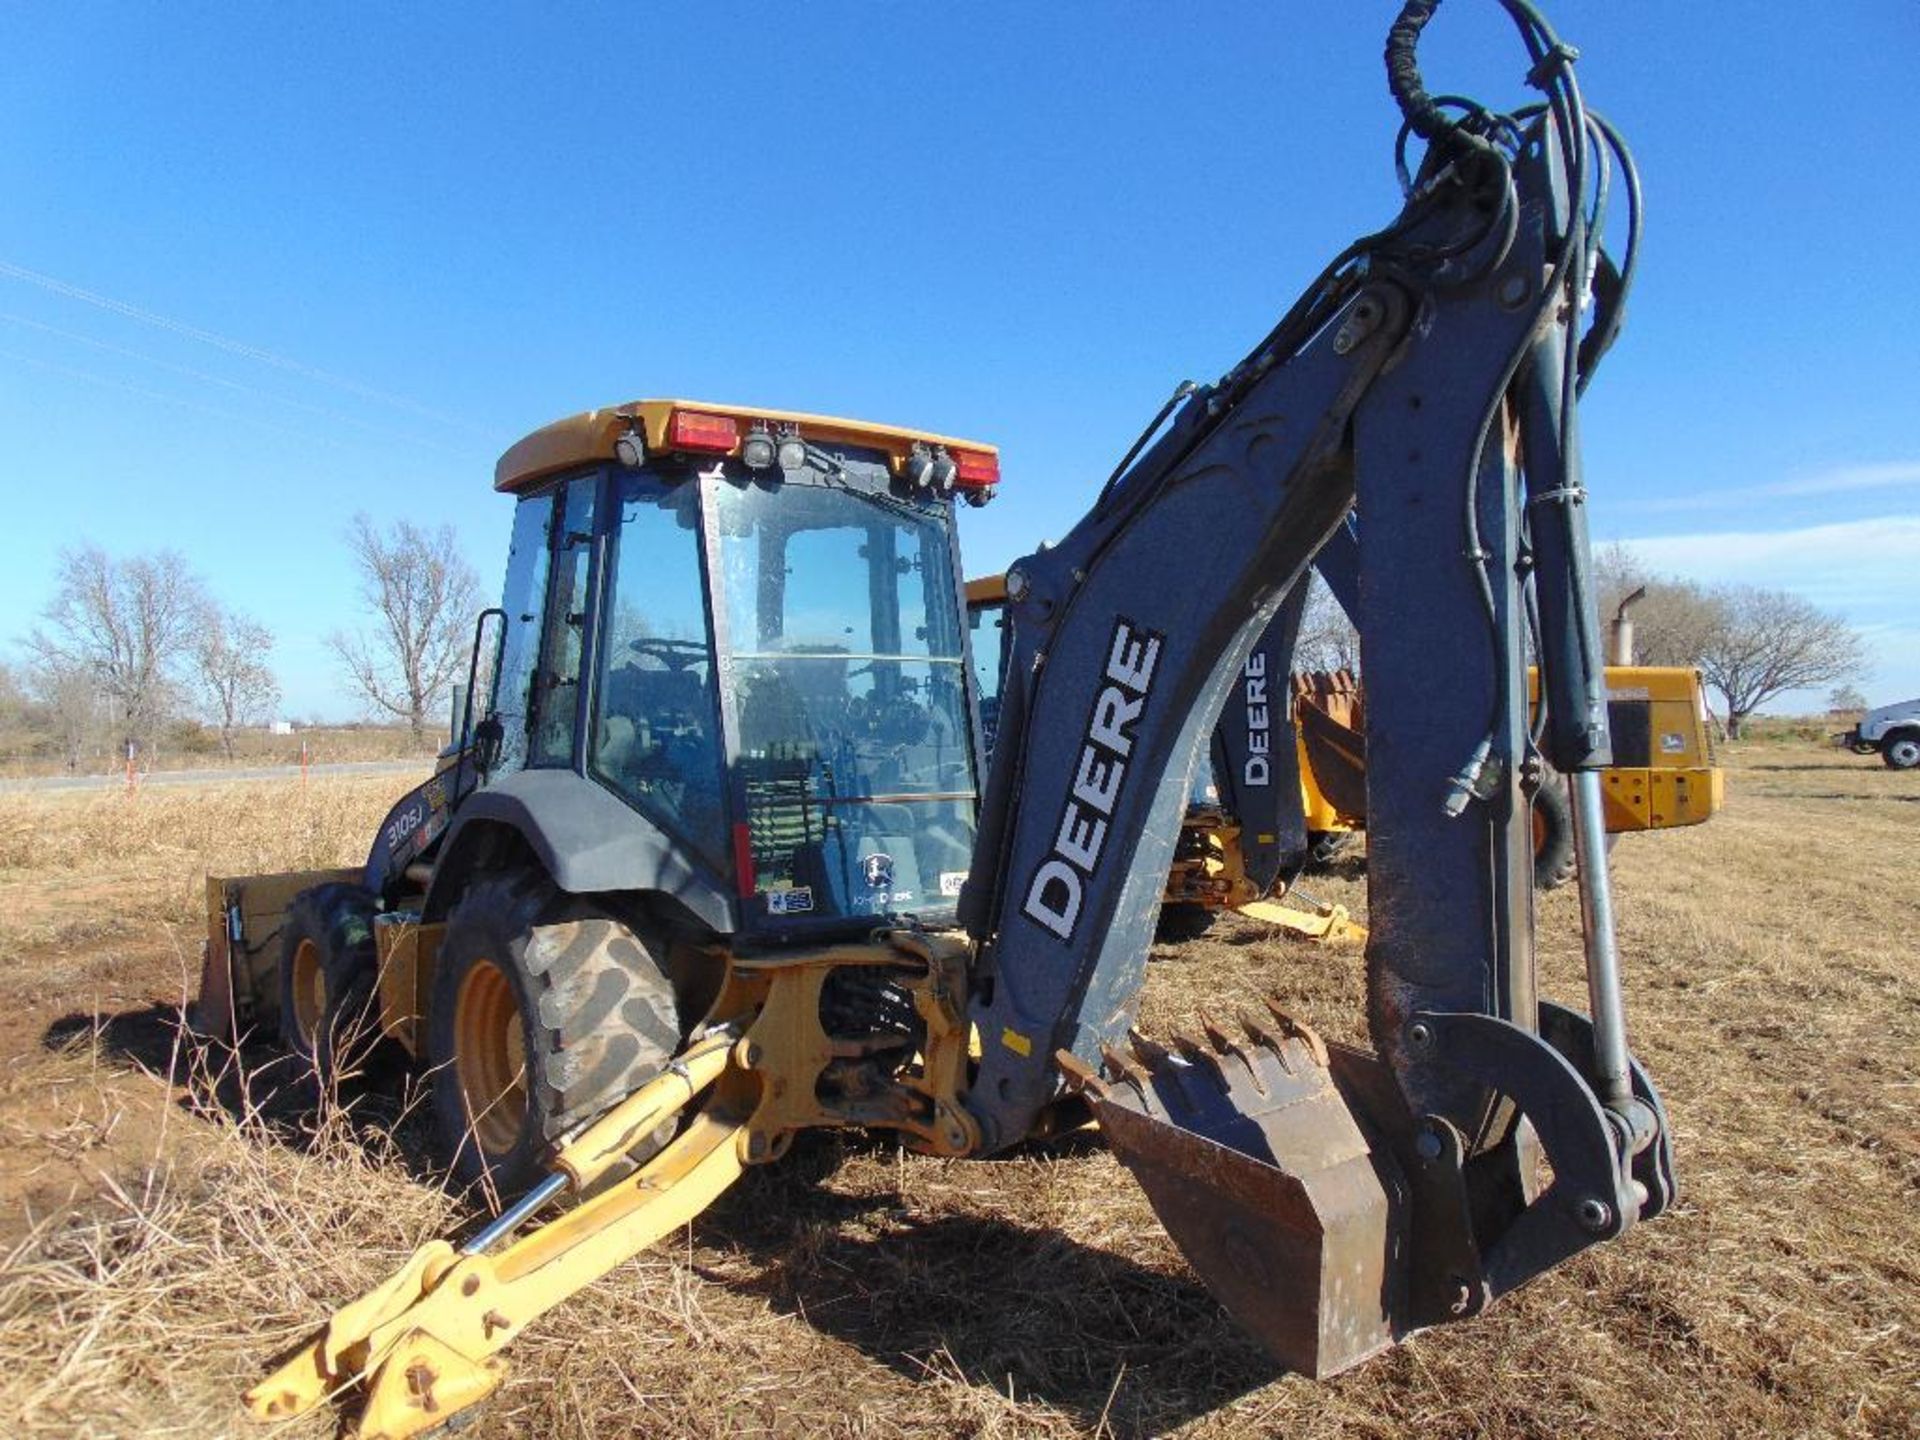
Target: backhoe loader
x,y
709,864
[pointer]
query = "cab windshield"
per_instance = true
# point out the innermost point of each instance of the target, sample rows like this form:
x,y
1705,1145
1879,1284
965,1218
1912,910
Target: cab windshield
x,y
842,668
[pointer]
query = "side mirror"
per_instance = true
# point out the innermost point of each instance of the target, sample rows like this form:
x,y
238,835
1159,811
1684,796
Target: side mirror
x,y
488,736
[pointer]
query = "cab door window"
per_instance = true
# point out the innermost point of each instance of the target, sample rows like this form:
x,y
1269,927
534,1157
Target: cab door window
x,y
556,689
656,727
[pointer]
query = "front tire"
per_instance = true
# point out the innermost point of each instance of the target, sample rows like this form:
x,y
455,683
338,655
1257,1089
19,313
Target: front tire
x,y
1901,752
327,976
545,1012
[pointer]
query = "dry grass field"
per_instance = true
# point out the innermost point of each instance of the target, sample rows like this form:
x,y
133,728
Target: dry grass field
x,y
156,1248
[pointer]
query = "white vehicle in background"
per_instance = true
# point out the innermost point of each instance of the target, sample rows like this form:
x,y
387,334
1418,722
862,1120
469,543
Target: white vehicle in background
x,y
1892,732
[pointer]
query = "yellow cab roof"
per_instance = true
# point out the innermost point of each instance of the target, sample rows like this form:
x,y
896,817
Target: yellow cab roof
x,y
589,437
986,589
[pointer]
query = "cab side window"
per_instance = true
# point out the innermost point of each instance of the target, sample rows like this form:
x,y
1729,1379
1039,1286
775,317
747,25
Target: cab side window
x,y
556,687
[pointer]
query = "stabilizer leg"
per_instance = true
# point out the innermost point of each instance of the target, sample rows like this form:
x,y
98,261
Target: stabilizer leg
x,y
424,1344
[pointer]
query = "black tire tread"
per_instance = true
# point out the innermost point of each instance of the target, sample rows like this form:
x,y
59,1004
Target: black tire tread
x,y
605,1019
1554,863
1183,920
1887,746
339,918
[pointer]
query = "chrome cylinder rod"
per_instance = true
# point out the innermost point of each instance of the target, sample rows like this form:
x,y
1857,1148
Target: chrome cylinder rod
x,y
1610,1055
514,1214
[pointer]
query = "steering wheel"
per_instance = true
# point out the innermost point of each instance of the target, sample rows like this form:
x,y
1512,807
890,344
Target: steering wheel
x,y
676,655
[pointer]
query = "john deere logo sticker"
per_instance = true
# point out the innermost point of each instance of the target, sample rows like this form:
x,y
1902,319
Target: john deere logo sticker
x,y
794,900
878,868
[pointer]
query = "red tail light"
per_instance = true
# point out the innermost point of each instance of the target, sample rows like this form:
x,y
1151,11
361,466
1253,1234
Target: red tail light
x,y
697,430
743,875
976,469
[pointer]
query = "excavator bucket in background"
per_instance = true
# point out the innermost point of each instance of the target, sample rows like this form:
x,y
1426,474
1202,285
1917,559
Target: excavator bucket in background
x,y
1293,1211
1328,710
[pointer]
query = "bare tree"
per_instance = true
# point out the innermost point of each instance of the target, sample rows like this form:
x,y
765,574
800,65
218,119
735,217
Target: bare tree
x,y
125,623
13,698
18,732
232,673
1845,700
72,707
1771,641
423,596
1327,639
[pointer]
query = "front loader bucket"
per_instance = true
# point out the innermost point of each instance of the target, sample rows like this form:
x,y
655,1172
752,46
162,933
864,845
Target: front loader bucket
x,y
1292,1215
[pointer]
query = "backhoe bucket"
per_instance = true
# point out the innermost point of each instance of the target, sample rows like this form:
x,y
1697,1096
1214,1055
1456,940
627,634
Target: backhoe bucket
x,y
1295,1219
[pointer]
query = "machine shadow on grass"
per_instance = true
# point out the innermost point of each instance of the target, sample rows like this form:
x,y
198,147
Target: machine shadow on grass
x,y
938,1298
266,1093
998,1304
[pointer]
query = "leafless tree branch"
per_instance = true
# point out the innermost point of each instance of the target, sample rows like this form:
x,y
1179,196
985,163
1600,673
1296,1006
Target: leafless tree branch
x,y
421,595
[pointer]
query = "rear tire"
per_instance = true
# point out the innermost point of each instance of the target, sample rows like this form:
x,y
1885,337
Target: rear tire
x,y
1326,846
1183,920
327,979
1553,855
1901,752
545,1012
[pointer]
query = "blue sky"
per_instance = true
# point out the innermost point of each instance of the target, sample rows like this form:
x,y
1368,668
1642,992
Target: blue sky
x,y
266,266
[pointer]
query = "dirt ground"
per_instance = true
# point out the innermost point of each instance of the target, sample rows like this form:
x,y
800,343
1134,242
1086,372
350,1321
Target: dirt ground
x,y
157,1246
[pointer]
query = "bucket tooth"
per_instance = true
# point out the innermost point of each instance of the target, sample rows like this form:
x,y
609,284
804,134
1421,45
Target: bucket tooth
x,y
1125,1069
1262,1031
1194,1052
1299,1030
1080,1075
1152,1053
1203,1066
1216,1036
1230,1046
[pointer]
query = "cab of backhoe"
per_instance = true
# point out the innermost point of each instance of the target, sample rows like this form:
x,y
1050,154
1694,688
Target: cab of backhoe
x,y
747,627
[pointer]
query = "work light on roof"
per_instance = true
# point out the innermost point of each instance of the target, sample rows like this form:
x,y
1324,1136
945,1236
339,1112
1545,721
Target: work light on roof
x,y
758,450
919,466
793,452
930,467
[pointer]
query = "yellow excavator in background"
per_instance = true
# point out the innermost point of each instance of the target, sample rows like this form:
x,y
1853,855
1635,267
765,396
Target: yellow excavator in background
x,y
710,861
1663,775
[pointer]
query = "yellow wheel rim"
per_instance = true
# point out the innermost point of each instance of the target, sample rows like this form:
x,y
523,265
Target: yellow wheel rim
x,y
309,991
490,1057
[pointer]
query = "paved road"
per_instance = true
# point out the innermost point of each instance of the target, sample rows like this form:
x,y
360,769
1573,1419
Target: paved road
x,y
218,777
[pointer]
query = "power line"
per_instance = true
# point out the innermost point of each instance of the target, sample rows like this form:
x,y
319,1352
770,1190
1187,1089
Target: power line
x,y
241,348
238,386
240,417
